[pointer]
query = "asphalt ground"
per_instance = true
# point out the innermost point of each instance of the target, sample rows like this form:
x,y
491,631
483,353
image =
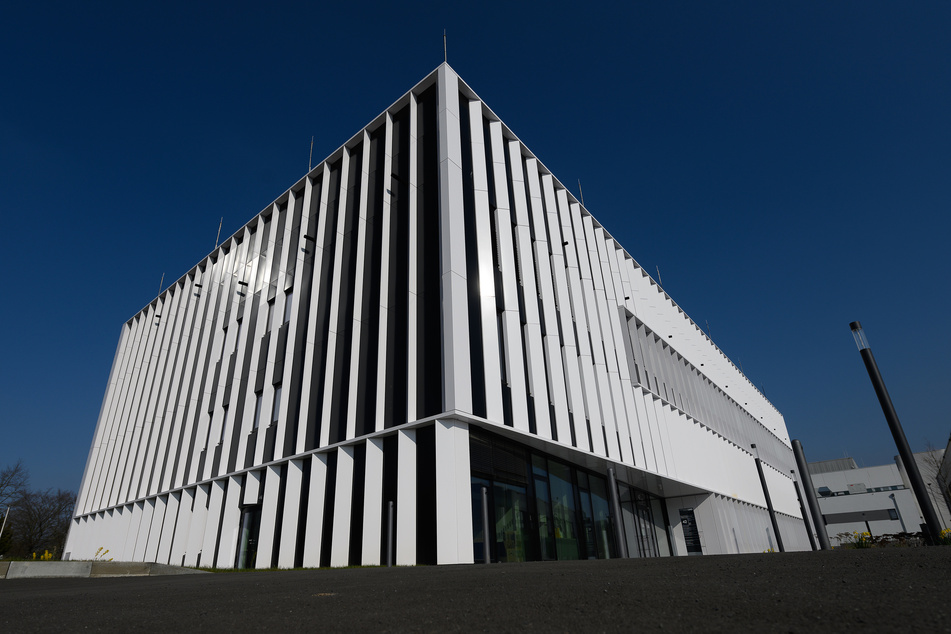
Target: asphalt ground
x,y
874,590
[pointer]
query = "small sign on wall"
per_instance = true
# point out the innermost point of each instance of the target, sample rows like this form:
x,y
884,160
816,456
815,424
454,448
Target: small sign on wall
x,y
688,521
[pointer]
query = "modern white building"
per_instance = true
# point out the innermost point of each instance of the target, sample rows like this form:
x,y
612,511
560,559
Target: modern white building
x,y
930,465
426,325
878,500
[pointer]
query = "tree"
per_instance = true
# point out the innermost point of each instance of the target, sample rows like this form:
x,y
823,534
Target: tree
x,y
40,522
929,464
13,481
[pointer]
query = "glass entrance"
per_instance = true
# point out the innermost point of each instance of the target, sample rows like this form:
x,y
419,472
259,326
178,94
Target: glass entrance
x,y
542,509
563,513
511,522
644,525
248,537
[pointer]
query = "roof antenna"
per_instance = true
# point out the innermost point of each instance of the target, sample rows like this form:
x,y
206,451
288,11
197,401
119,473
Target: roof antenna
x,y
660,282
310,158
161,282
219,231
445,54
580,193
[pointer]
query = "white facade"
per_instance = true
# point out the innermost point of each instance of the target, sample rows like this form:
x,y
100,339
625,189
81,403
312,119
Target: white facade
x,y
930,465
427,312
878,500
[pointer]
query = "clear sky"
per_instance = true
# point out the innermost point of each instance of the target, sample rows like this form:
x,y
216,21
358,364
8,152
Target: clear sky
x,y
786,166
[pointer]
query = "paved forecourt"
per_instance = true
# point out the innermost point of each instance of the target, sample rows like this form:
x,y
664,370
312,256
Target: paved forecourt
x,y
897,589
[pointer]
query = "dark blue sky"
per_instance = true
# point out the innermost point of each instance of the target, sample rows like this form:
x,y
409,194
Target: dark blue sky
x,y
786,166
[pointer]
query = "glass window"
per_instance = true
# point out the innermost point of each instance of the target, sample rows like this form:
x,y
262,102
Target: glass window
x,y
224,424
511,522
660,528
478,541
237,337
276,409
270,315
645,525
563,511
221,353
630,524
587,522
257,409
539,466
546,538
546,528
287,306
603,530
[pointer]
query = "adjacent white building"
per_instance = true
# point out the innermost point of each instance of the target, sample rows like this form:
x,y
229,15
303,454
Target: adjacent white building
x,y
878,500
426,322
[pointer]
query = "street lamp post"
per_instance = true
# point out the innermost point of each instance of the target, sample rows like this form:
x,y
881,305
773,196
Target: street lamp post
x,y
769,501
904,451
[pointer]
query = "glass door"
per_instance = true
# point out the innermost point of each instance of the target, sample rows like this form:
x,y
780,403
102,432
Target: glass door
x,y
248,537
601,512
479,540
511,522
660,527
564,519
645,526
546,528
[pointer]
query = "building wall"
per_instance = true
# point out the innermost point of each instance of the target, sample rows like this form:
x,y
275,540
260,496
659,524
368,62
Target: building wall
x,y
929,466
874,489
943,481
729,526
329,358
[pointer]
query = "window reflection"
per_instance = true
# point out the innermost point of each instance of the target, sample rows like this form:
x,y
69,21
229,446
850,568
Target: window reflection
x,y
563,511
543,509
478,538
511,522
603,530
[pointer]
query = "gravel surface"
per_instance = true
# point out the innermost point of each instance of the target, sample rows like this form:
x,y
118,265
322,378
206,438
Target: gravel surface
x,y
887,590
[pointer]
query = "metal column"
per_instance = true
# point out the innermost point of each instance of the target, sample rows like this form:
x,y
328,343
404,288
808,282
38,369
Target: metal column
x,y
904,451
769,503
817,520
805,515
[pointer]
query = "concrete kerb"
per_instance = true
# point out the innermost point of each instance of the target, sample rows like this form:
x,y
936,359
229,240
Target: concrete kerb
x,y
48,569
161,570
88,569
